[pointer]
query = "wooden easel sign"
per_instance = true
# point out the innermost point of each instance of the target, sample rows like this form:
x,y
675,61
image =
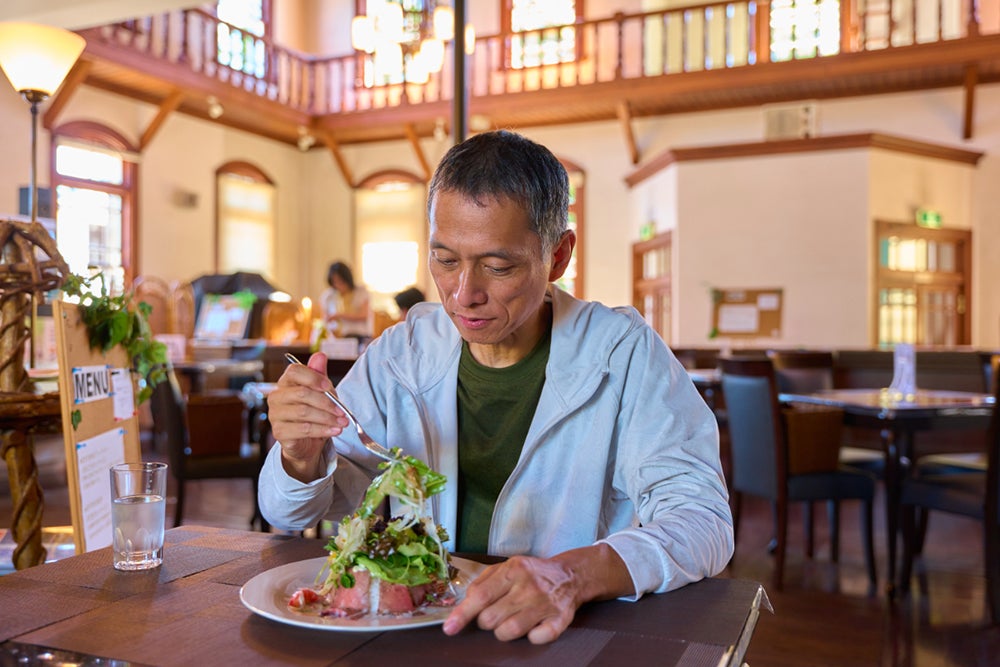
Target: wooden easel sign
x,y
100,424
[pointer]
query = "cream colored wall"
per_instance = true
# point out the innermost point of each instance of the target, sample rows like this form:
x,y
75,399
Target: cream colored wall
x,y
777,222
902,183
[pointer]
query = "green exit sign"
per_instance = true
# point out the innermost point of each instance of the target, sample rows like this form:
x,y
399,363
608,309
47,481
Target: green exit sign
x,y
928,218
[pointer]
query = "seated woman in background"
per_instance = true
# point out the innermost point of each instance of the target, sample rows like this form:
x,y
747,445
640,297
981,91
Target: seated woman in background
x,y
406,299
346,306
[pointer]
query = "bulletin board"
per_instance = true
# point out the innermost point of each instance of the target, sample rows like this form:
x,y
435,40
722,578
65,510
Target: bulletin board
x,y
100,424
750,313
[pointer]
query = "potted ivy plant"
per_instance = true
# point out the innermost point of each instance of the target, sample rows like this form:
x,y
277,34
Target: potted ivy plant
x,y
113,320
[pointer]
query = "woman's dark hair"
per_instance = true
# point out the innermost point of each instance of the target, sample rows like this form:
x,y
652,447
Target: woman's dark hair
x,y
340,269
503,164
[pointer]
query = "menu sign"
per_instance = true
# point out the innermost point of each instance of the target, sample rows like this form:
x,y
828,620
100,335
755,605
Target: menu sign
x,y
100,424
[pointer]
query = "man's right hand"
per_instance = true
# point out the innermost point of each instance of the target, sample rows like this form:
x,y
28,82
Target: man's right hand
x,y
303,418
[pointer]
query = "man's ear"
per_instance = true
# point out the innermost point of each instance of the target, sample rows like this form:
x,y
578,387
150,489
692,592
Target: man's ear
x,y
561,255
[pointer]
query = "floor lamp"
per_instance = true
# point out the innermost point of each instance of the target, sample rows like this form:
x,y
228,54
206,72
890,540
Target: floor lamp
x,y
36,59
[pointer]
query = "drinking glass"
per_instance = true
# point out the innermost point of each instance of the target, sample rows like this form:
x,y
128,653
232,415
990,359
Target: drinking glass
x,y
138,512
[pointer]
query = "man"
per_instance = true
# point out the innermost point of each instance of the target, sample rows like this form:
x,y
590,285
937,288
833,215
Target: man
x,y
572,439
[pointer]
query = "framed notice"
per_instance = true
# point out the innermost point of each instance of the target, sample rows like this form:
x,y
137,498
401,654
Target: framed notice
x,y
100,424
751,313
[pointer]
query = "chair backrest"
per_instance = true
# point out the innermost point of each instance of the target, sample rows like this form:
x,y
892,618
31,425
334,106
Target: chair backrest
x,y
210,424
759,455
282,322
802,371
217,422
156,292
182,309
167,406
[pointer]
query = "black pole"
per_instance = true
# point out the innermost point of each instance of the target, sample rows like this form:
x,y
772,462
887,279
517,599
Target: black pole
x,y
34,97
460,95
33,185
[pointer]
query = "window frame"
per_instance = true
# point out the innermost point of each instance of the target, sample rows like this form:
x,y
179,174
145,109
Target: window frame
x,y
506,10
248,170
102,136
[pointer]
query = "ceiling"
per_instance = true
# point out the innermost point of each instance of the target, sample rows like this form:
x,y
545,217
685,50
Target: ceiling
x,y
77,14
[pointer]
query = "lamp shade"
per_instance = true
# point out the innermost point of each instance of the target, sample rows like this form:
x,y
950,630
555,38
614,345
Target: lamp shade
x,y
37,57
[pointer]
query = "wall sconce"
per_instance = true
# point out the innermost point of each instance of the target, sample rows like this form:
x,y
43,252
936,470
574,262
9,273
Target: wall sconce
x,y
36,60
215,109
306,140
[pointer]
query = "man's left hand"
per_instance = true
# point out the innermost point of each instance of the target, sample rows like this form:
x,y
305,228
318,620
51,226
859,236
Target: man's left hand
x,y
538,597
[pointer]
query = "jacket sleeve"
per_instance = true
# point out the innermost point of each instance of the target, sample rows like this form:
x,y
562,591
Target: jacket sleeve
x,y
669,466
289,504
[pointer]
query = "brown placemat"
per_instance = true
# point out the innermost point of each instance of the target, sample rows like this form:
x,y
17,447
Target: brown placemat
x,y
26,604
576,646
192,622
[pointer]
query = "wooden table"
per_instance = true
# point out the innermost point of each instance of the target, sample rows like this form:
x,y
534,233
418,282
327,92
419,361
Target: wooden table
x,y
188,612
197,372
897,421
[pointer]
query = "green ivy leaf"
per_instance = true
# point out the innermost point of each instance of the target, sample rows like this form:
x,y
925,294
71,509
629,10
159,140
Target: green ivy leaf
x,y
75,418
114,320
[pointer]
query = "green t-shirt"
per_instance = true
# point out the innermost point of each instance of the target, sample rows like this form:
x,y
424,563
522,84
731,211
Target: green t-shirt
x,y
495,409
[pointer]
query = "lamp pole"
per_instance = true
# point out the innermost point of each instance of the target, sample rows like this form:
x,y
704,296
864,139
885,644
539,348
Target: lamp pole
x,y
34,98
460,94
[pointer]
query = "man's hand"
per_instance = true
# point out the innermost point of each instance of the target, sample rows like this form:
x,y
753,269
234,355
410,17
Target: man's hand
x,y
302,418
538,597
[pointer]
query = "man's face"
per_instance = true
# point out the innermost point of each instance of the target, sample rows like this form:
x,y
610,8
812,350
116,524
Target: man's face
x,y
491,274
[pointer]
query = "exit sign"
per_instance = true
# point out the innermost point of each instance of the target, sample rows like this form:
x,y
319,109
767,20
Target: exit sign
x,y
928,218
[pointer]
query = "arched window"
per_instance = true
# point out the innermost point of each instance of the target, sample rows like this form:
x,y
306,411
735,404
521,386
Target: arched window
x,y
391,233
94,174
245,219
539,46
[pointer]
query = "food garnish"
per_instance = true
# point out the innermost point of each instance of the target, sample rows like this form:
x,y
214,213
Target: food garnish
x,y
379,565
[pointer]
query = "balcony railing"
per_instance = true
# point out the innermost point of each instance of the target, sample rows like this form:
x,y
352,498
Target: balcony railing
x,y
709,36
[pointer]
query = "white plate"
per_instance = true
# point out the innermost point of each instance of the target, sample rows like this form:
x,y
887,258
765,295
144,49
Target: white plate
x,y
267,595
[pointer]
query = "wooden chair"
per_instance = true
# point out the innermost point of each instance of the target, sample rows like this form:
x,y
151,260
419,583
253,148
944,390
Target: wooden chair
x,y
760,452
282,322
974,494
206,439
809,371
156,292
182,309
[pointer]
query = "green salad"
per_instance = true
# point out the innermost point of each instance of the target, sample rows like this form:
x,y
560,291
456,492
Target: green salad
x,y
406,549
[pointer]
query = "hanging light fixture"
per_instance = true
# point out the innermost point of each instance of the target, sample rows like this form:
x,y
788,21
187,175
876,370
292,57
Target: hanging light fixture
x,y
36,60
420,50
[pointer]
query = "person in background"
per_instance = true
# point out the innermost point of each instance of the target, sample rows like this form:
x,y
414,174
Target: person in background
x,y
346,306
406,299
573,441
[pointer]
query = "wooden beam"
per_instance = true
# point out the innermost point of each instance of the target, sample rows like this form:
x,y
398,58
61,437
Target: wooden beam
x,y
411,134
971,79
73,81
625,118
338,157
167,107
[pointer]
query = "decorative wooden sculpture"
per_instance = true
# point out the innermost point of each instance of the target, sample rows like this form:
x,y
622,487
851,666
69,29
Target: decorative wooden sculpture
x,y
30,265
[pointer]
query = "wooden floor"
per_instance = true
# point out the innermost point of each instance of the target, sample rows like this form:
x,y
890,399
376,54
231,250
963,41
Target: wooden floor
x,y
824,616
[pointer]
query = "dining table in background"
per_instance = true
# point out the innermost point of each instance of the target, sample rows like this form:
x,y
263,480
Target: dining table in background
x,y
188,611
897,420
198,372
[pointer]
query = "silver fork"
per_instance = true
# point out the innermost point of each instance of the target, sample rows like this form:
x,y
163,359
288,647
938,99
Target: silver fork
x,y
366,440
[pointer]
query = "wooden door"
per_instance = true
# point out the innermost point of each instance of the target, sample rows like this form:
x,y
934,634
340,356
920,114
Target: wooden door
x,y
651,269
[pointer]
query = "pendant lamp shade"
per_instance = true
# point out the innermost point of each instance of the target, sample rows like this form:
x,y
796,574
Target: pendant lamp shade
x,y
36,58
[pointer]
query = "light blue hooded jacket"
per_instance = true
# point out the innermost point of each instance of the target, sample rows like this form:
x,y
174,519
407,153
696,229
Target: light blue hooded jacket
x,y
622,448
